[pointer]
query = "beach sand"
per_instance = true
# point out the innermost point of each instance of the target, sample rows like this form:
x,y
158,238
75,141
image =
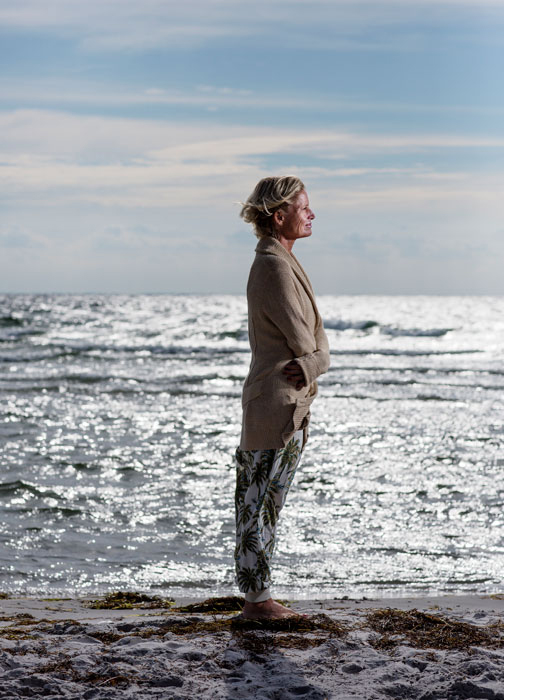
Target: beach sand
x,y
441,648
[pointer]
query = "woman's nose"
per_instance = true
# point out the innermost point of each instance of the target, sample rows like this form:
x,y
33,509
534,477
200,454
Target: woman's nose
x,y
312,215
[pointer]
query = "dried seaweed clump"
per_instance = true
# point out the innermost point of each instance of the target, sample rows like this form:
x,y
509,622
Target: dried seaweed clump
x,y
19,619
230,603
423,630
124,600
105,637
15,632
62,668
294,623
186,626
313,631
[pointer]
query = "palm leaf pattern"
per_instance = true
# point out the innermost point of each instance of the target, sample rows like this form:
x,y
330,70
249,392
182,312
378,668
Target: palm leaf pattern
x,y
244,513
291,451
245,463
262,567
248,541
246,578
269,512
262,467
263,480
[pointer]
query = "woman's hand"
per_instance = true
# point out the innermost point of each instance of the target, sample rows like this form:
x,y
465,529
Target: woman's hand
x,y
293,373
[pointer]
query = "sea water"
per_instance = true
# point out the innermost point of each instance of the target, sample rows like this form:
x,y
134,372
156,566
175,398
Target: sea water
x,y
120,415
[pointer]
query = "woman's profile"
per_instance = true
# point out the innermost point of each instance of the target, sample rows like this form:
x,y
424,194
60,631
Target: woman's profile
x,y
289,351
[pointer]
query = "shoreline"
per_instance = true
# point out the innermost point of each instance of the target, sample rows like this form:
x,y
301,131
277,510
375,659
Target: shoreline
x,y
51,607
428,648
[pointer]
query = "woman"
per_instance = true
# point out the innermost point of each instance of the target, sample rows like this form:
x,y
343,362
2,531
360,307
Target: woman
x,y
289,350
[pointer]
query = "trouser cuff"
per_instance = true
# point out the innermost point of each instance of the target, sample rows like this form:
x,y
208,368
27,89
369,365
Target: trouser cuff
x,y
257,596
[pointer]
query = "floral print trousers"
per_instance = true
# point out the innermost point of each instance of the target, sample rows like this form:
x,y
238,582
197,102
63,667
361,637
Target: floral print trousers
x,y
264,478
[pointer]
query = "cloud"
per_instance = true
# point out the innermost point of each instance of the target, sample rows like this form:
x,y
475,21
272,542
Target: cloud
x,y
64,94
123,25
56,156
49,132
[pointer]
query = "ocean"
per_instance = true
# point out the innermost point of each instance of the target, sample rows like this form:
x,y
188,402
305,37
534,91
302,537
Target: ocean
x,y
120,415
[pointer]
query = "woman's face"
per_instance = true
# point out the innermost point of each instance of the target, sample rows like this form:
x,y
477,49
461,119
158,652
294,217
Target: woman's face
x,y
296,221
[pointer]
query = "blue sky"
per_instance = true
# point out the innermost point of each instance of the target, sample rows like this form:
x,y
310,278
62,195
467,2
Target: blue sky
x,y
130,130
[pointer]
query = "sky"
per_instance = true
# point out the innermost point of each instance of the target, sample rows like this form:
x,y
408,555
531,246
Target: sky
x,y
131,130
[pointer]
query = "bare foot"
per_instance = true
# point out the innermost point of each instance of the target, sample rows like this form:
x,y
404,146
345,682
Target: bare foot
x,y
268,610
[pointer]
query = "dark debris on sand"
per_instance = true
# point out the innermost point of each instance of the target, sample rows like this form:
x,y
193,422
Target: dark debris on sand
x,y
260,636
423,630
230,603
124,600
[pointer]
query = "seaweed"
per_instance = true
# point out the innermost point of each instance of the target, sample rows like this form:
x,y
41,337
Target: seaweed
x,y
296,623
223,604
62,669
125,600
423,630
60,666
98,679
14,633
260,642
255,642
297,641
19,619
255,635
230,603
181,627
105,637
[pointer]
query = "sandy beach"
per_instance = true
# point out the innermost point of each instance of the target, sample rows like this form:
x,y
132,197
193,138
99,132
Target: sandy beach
x,y
441,648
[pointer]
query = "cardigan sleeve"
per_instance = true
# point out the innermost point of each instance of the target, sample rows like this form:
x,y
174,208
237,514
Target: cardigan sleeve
x,y
282,306
316,363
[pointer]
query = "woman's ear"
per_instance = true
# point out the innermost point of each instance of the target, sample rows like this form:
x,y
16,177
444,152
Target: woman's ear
x,y
278,217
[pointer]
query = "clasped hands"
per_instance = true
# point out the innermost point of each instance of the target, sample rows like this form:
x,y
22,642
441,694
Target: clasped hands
x,y
293,373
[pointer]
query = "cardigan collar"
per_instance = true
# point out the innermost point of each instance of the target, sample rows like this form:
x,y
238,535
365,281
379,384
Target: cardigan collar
x,y
271,246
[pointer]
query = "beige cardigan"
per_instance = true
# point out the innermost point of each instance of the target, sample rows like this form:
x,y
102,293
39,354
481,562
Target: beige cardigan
x,y
283,324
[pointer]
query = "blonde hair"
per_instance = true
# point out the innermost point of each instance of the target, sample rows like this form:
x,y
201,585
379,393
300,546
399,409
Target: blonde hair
x,y
269,195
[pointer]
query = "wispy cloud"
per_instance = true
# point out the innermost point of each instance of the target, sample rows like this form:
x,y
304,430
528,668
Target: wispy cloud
x,y
57,132
144,163
187,23
47,93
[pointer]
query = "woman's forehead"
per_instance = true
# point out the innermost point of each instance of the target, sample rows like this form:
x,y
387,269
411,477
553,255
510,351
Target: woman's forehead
x,y
301,199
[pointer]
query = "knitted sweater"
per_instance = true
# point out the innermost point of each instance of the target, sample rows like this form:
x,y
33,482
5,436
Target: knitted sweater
x,y
283,324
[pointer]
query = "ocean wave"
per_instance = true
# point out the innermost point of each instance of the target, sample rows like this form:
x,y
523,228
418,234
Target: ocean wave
x,y
239,334
434,397
103,351
416,370
10,321
407,353
38,357
9,488
415,382
414,332
56,380
48,510
13,334
338,324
